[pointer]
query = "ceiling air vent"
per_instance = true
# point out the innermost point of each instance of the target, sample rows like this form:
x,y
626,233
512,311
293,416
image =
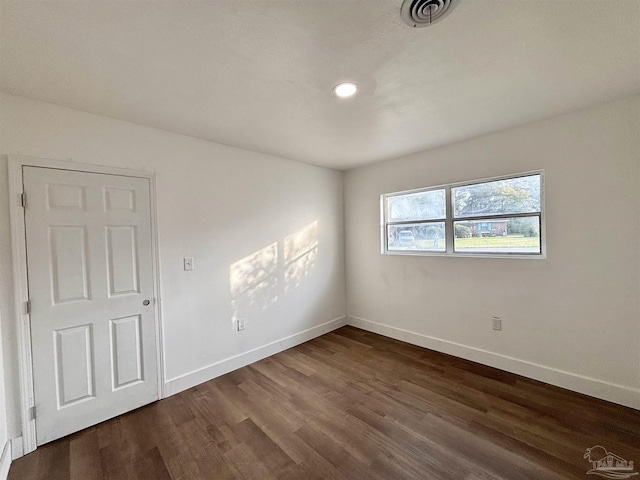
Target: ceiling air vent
x,y
422,13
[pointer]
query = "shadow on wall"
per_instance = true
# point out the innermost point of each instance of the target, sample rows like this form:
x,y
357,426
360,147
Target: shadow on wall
x,y
259,280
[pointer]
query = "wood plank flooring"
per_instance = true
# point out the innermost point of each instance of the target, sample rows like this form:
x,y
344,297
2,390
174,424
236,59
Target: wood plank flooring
x,y
349,405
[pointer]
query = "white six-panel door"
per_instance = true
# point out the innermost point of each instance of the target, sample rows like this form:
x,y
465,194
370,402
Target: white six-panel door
x,y
90,278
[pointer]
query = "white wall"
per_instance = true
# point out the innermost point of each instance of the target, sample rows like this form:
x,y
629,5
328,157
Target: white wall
x,y
215,203
5,453
572,319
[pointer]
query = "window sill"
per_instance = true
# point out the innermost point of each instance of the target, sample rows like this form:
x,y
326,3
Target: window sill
x,y
521,256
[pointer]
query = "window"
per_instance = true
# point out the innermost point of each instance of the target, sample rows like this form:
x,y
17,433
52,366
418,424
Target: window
x,y
416,221
502,216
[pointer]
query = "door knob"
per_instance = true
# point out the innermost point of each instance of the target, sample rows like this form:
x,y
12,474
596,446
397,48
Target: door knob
x,y
145,302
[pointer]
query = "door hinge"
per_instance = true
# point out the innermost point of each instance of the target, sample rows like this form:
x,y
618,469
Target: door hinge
x,y
23,200
32,413
27,307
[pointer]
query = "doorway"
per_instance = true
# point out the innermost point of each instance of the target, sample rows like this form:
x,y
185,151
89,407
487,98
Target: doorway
x,y
92,315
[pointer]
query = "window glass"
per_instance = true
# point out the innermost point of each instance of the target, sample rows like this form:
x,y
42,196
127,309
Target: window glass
x,y
500,197
504,235
429,205
418,237
501,216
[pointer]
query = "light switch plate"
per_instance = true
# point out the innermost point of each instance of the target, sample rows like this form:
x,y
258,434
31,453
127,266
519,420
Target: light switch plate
x,y
188,263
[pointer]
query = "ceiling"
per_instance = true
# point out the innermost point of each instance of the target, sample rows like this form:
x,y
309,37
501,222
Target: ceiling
x,y
259,74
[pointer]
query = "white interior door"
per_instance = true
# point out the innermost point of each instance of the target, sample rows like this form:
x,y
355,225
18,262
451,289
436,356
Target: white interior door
x,y
90,277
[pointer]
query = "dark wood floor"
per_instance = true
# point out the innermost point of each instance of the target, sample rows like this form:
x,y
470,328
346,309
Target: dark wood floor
x,y
349,405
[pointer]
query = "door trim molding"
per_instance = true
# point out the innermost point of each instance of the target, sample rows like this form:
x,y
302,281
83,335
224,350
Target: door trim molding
x,y
21,291
5,460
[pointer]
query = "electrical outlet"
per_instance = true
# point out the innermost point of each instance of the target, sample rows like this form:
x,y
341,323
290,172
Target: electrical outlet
x,y
188,263
497,323
241,323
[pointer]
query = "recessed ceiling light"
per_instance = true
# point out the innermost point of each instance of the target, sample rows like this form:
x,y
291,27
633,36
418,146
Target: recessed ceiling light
x,y
346,89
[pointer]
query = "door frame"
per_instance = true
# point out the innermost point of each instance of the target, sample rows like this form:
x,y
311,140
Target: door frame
x,y
21,289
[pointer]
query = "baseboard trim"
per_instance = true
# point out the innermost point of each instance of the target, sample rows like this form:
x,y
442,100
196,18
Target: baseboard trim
x,y
620,394
5,461
17,447
230,364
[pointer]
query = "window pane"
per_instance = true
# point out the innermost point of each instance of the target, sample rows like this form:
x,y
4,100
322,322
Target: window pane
x,y
425,237
416,206
507,235
514,195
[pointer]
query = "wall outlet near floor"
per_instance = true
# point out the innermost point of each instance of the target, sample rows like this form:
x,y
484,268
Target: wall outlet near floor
x,y
241,324
496,322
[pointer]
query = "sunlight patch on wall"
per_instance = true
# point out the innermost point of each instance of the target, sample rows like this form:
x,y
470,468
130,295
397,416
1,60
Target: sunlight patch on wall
x,y
300,254
254,282
259,280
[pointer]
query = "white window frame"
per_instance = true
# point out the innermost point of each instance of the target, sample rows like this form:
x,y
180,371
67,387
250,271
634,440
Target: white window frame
x,y
449,221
